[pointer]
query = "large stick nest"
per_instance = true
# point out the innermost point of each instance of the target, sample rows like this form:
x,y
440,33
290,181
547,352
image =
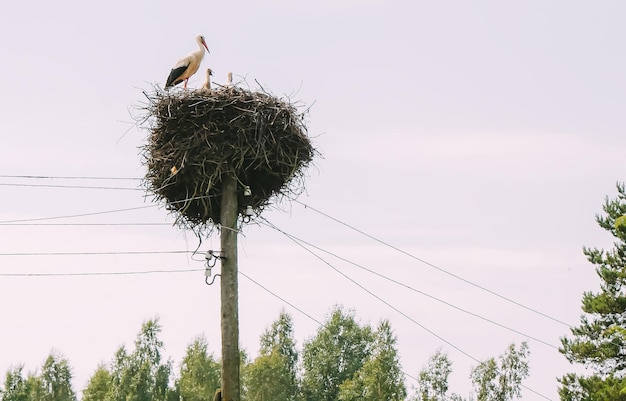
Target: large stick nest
x,y
198,136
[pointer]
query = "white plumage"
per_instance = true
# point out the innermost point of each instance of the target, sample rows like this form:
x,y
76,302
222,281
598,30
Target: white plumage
x,y
207,83
188,65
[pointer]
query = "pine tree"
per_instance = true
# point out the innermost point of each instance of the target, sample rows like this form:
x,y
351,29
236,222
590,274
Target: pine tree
x,y
599,342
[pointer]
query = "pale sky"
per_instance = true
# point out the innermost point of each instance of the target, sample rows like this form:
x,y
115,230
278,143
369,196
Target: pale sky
x,y
479,136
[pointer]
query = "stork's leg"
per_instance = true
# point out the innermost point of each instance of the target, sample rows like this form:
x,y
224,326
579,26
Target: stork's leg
x,y
186,82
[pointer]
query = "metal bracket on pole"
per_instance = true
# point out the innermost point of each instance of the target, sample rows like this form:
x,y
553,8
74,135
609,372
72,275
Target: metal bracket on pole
x,y
211,259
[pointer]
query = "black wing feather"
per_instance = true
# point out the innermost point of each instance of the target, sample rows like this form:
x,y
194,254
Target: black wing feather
x,y
172,79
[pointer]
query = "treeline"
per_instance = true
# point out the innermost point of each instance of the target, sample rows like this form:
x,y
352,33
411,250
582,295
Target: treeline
x,y
348,361
344,361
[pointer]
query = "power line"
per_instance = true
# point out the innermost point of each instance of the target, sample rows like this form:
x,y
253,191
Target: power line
x,y
68,186
370,292
38,177
306,206
128,273
85,224
76,215
433,265
92,253
190,270
13,222
391,306
414,290
103,212
165,271
300,310
279,297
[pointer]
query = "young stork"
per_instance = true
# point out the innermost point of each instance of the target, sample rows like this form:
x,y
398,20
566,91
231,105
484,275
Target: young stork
x,y
188,65
207,83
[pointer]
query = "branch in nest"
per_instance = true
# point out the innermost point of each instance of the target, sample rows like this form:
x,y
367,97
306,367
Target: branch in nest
x,y
197,136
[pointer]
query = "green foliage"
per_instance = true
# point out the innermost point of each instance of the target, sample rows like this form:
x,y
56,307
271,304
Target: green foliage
x,y
501,380
338,350
15,387
620,223
34,387
592,388
279,337
273,375
53,384
140,376
269,378
199,373
381,377
56,379
598,342
433,379
99,385
344,361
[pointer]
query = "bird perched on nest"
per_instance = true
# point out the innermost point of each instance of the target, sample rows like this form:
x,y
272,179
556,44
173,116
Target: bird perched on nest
x,y
207,83
188,65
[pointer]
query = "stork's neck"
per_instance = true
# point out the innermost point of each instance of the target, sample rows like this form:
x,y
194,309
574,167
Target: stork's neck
x,y
201,46
199,54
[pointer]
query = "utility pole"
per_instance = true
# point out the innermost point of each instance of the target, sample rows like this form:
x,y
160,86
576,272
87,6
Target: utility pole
x,y
229,295
253,128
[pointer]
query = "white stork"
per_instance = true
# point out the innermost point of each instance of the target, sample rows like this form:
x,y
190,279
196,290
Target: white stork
x,y
188,65
207,83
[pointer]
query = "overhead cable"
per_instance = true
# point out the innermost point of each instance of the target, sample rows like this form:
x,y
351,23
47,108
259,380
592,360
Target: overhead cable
x,y
456,276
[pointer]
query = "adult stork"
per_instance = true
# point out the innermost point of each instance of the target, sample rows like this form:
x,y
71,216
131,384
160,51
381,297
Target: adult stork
x,y
188,65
